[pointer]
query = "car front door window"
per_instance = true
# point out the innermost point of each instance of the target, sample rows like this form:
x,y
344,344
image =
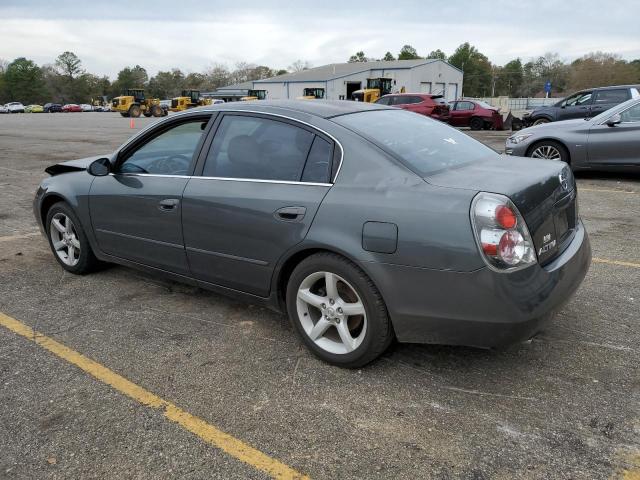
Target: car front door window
x,y
169,153
631,115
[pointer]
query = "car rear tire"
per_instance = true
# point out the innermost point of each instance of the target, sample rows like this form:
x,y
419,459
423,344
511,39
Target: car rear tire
x,y
540,121
476,123
338,311
156,110
550,150
68,241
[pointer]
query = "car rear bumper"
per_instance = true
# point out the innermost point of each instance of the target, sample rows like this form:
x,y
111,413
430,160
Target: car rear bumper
x,y
482,308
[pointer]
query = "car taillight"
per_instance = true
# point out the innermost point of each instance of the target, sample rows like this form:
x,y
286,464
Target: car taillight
x,y
501,233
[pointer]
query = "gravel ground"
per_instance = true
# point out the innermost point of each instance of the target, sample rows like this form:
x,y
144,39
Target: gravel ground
x,y
565,406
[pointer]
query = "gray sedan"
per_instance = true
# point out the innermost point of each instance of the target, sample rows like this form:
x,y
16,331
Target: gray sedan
x,y
609,141
364,223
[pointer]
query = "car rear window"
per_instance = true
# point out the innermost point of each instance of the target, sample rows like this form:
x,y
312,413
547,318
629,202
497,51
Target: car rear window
x,y
612,96
426,146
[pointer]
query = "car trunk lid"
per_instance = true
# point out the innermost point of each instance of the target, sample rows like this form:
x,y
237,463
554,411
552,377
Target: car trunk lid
x,y
543,190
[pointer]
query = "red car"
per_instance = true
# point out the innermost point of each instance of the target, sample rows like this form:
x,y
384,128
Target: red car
x,y
71,107
433,106
475,114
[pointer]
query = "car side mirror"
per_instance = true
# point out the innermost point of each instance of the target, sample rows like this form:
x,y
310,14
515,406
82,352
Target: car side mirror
x,y
100,167
614,120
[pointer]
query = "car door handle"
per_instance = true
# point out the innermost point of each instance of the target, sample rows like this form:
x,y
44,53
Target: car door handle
x,y
290,214
168,204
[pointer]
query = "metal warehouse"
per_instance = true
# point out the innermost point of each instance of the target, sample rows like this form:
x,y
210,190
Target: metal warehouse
x,y
340,80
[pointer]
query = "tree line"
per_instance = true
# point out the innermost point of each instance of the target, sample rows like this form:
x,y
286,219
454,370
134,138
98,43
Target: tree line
x,y
67,81
526,79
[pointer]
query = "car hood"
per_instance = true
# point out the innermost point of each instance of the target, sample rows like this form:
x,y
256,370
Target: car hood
x,y
71,165
555,126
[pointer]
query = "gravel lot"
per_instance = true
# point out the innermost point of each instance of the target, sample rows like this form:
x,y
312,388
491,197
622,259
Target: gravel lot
x,y
565,406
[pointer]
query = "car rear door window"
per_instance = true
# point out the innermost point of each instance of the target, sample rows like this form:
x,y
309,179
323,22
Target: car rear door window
x,y
612,96
248,147
318,166
464,106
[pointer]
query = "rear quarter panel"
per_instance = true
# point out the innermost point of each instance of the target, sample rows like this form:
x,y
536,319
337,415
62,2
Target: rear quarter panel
x,y
434,229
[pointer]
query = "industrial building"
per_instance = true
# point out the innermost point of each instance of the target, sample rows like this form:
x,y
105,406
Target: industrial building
x,y
340,80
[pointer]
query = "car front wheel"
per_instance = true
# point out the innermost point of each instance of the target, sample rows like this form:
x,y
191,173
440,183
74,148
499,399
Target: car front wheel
x,y
550,150
68,240
540,121
338,311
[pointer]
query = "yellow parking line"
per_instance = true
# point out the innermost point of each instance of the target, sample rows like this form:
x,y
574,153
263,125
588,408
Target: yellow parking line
x,y
615,262
210,434
609,190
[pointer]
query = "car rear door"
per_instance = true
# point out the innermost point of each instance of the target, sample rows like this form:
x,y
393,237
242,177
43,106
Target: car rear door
x,y
136,212
617,145
603,100
258,184
461,113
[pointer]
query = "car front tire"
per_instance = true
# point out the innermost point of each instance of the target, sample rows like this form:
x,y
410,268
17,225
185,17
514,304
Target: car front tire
x,y
540,121
68,240
550,150
338,311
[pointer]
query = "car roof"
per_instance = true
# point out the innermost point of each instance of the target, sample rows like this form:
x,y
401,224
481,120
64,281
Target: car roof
x,y
319,108
610,87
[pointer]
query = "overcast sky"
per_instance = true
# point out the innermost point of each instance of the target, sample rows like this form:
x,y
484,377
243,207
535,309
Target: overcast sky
x,y
192,35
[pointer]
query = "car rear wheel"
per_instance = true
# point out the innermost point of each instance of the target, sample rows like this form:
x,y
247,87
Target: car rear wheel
x,y
476,123
68,240
338,311
540,121
156,111
550,150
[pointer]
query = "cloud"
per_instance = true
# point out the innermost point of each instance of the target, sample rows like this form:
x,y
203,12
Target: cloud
x,y
157,35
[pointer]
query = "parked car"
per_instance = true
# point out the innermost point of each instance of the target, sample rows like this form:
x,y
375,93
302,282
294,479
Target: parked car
x,y
15,107
362,221
33,109
3,109
86,107
71,107
609,141
583,104
475,114
433,106
52,107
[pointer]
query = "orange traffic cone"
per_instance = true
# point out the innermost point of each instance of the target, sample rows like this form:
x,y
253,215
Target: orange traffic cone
x,y
132,123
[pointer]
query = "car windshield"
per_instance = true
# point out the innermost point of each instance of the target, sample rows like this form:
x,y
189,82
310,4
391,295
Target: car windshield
x,y
609,113
425,145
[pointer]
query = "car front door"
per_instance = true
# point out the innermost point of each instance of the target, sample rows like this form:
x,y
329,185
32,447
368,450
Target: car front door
x,y
577,105
136,211
618,144
255,193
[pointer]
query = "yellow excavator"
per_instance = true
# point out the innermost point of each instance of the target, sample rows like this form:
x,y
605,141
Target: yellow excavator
x,y
312,94
188,99
376,88
133,103
255,95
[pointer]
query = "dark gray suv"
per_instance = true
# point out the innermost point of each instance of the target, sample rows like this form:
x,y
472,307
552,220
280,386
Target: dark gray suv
x,y
583,104
363,222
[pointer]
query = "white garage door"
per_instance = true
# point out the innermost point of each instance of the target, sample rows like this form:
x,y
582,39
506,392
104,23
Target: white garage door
x,y
425,87
439,89
452,92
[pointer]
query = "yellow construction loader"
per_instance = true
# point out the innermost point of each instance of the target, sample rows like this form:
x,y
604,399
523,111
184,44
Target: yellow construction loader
x,y
188,99
312,94
133,103
376,87
255,95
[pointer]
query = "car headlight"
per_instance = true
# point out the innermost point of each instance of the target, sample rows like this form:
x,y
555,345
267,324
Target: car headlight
x,y
519,137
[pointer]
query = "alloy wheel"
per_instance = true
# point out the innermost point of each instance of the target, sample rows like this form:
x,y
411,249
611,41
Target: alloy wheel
x,y
64,239
546,151
331,312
